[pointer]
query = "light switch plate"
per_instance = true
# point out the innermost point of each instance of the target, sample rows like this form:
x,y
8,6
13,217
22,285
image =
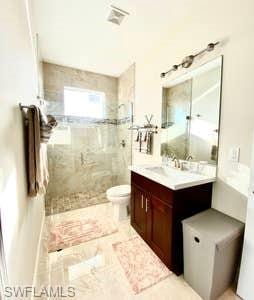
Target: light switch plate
x,y
234,154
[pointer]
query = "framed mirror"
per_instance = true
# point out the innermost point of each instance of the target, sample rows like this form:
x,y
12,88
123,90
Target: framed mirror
x,y
191,113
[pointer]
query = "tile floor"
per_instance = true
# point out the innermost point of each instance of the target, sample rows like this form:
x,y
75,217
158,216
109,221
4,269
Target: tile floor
x,y
95,271
56,205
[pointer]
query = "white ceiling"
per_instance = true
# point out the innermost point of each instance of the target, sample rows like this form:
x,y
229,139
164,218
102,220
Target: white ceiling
x,y
76,33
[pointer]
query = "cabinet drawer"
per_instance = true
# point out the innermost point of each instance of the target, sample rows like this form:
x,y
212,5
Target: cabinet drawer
x,y
153,188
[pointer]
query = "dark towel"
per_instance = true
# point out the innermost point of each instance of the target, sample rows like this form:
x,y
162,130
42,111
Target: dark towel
x,y
34,155
137,138
214,151
37,151
146,145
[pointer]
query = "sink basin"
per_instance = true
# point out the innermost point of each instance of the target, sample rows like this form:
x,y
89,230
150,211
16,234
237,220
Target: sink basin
x,y
172,178
176,174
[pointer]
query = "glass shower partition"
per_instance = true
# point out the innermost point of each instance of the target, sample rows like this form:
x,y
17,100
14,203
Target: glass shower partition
x,y
86,156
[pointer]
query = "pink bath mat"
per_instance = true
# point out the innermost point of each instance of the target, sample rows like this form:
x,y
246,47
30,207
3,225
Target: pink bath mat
x,y
74,232
141,266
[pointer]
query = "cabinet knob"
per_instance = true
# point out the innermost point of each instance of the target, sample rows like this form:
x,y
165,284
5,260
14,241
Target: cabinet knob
x,y
142,201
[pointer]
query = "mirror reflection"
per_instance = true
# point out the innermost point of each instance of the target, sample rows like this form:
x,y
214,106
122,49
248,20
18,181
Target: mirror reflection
x,y
191,112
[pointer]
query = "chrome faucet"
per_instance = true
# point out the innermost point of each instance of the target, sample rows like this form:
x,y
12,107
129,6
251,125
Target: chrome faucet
x,y
189,157
177,162
173,157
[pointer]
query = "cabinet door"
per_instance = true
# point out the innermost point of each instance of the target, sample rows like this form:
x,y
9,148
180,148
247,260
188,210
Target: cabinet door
x,y
138,213
159,228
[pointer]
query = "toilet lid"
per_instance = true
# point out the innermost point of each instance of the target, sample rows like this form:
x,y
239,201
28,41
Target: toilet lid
x,y
119,190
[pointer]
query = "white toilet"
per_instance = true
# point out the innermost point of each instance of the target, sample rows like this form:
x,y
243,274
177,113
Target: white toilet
x,y
120,197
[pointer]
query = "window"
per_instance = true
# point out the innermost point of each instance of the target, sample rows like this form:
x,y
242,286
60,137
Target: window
x,y
84,103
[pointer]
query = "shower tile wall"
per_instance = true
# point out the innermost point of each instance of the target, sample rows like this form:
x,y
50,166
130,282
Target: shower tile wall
x,y
176,107
88,158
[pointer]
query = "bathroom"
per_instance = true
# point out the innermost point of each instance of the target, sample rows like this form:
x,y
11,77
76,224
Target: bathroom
x,y
144,114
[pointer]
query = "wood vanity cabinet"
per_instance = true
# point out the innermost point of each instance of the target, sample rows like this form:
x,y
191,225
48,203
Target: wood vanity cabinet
x,y
157,212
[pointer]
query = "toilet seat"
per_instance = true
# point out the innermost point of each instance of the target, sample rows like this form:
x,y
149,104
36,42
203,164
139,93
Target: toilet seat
x,y
119,191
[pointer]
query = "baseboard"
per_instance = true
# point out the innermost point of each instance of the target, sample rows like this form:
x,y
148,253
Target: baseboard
x,y
38,250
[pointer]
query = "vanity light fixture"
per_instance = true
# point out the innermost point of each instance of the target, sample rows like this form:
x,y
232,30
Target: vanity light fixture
x,y
188,60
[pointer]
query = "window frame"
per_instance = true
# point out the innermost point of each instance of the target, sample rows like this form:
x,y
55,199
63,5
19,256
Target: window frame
x,y
87,91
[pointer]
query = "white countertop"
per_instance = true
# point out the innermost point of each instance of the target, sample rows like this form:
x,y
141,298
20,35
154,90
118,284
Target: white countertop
x,y
170,177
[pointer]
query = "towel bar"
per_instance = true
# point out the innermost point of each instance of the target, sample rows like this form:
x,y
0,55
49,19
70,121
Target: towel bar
x,y
41,102
152,129
22,106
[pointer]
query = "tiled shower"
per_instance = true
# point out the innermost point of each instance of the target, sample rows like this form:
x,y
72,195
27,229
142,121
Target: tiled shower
x,y
88,152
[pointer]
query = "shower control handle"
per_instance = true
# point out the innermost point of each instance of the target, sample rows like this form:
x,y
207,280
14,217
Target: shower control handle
x,y
123,143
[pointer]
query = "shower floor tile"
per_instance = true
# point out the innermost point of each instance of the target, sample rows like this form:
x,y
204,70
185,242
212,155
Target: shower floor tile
x,y
56,205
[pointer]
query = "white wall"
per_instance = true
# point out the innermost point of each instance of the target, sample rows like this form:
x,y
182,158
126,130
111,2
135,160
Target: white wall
x,y
21,216
232,22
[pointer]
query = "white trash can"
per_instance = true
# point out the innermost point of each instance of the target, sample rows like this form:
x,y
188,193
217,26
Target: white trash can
x,y
212,249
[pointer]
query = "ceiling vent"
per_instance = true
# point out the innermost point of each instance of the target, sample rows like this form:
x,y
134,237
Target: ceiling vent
x,y
117,15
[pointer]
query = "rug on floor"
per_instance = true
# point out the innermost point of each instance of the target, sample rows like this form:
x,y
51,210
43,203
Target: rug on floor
x,y
74,232
141,266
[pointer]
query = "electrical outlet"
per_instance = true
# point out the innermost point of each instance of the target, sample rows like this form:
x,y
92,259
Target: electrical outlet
x,y
234,154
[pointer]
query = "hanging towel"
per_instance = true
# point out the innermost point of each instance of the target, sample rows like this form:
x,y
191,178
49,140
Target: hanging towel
x,y
149,142
145,137
33,155
44,169
138,141
47,124
146,146
37,168
214,151
137,138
